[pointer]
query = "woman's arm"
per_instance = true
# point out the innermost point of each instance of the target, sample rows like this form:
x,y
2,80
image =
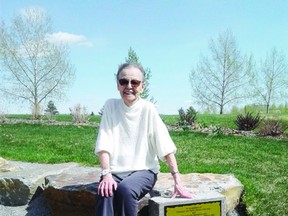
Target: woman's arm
x,y
178,188
107,184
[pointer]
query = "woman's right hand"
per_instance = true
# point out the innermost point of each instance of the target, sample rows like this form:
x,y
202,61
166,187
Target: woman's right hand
x,y
107,185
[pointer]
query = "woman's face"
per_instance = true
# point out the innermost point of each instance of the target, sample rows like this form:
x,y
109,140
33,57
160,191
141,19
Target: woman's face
x,y
130,85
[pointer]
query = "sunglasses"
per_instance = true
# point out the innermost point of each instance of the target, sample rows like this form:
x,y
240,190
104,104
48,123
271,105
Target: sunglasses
x,y
134,83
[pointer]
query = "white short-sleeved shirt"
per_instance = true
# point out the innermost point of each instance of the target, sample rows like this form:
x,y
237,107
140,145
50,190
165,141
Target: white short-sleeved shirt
x,y
135,137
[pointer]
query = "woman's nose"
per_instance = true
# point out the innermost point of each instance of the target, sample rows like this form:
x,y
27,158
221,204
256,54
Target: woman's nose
x,y
129,85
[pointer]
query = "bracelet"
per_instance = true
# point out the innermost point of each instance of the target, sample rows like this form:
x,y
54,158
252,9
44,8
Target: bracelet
x,y
174,172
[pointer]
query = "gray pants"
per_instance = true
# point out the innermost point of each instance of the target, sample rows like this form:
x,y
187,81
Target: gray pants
x,y
130,189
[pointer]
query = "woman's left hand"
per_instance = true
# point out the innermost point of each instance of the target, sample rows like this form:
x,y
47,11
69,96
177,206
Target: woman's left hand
x,y
180,191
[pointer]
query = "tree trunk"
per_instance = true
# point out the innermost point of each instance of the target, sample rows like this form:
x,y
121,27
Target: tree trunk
x,y
267,108
36,111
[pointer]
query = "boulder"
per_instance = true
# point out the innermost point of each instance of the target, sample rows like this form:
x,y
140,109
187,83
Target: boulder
x,y
204,183
71,189
19,181
75,190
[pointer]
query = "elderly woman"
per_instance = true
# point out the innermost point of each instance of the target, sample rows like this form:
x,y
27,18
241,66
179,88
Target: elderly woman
x,y
131,138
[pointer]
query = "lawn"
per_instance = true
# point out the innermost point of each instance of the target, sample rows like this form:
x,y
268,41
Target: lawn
x,y
259,163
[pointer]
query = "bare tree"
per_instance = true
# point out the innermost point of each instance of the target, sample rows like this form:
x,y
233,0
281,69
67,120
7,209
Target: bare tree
x,y
271,81
217,80
35,67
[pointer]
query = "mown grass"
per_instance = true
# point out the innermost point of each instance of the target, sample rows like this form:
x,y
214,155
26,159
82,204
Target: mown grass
x,y
224,121
57,117
205,120
47,143
259,163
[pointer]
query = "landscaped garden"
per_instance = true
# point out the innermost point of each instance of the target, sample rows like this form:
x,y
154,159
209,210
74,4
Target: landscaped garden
x,y
259,162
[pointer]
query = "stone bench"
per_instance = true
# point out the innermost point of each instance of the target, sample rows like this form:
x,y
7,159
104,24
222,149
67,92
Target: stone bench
x,y
71,189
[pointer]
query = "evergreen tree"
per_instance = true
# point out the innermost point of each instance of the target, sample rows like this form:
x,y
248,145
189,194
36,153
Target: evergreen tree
x,y
51,108
132,57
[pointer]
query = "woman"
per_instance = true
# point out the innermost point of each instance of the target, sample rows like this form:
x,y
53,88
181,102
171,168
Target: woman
x,y
131,138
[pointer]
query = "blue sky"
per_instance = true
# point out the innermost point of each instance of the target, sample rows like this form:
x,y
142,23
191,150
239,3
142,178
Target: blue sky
x,y
168,37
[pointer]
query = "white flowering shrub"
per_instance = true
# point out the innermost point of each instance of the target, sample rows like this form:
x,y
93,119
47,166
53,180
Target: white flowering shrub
x,y
79,114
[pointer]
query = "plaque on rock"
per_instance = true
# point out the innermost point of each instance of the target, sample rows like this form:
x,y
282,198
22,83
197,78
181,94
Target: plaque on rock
x,y
195,209
208,204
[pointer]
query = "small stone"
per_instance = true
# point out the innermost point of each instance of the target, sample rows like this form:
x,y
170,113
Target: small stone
x,y
9,169
3,162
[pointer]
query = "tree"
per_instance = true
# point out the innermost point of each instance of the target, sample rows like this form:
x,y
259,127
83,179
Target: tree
x,y
35,67
51,108
217,80
132,57
271,81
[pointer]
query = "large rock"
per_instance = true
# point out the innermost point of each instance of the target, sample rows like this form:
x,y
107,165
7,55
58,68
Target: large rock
x,y
19,181
71,189
199,183
74,190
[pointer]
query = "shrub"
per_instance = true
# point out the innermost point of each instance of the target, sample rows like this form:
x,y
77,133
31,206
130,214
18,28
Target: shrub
x,y
2,118
217,130
79,114
191,115
247,122
188,118
272,127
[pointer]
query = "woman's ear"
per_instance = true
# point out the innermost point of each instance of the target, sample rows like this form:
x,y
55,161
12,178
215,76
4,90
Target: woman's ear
x,y
143,86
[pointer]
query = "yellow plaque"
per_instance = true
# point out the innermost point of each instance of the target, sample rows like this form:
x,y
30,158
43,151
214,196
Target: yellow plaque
x,y
195,209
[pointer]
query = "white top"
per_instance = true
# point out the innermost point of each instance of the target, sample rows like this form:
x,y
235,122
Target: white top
x,y
133,136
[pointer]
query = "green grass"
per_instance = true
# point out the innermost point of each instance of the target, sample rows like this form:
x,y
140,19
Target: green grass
x,y
225,121
259,163
205,120
60,117
48,144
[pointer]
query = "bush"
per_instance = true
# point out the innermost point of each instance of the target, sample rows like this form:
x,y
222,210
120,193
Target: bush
x,y
2,118
79,114
247,122
272,127
188,118
217,130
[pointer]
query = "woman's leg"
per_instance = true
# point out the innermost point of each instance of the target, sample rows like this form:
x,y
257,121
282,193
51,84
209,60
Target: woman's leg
x,y
105,205
131,189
